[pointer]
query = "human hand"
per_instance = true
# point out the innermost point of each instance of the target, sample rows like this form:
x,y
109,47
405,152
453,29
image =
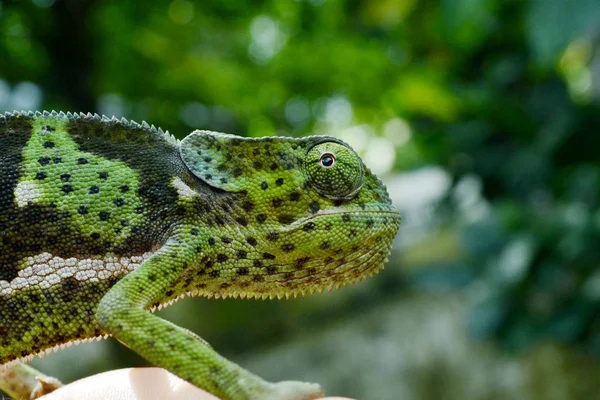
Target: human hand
x,y
134,384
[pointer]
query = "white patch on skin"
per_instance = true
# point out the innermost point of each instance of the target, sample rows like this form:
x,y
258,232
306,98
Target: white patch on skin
x,y
183,190
45,270
26,192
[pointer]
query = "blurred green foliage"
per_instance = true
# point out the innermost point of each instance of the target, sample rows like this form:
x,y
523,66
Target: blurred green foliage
x,y
502,96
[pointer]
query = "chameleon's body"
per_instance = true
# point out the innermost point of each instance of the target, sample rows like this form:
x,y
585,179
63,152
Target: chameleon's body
x,y
101,220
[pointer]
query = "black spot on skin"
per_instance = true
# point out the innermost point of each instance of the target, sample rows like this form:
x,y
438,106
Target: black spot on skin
x,y
288,275
314,207
227,240
48,144
325,245
237,171
225,285
295,196
83,210
288,247
242,221
152,277
274,166
277,202
257,164
124,223
65,177
338,202
82,161
57,160
223,180
285,219
279,182
248,206
242,254
49,128
40,175
264,185
370,222
346,218
222,257
44,160
268,256
67,189
94,189
124,188
103,215
258,278
260,218
207,159
103,175
95,235
139,210
208,177
271,270
135,229
119,202
273,236
328,260
309,226
257,263
301,262
194,231
211,241
214,274
352,233
251,241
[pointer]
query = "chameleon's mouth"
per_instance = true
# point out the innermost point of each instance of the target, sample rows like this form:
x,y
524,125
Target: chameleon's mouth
x,y
354,251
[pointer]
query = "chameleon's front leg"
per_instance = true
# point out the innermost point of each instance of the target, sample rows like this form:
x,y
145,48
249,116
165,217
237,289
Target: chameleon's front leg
x,y
122,313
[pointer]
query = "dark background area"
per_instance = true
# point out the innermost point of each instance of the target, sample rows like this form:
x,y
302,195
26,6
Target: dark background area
x,y
482,117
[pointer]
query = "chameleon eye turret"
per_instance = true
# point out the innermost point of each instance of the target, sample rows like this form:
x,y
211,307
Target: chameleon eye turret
x,y
334,170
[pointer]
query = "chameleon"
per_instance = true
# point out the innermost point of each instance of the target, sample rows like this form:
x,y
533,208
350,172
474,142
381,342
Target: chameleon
x,y
103,220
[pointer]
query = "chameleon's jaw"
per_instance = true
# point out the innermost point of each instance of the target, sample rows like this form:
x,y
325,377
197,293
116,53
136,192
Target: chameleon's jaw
x,y
341,248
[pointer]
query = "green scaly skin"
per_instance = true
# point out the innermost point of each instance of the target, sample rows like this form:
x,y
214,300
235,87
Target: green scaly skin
x,y
101,220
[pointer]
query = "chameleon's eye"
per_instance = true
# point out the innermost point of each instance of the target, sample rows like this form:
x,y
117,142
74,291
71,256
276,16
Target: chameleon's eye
x,y
334,170
327,160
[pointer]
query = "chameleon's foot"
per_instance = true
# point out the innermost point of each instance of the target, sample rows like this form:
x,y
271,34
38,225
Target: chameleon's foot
x,y
292,390
44,385
24,382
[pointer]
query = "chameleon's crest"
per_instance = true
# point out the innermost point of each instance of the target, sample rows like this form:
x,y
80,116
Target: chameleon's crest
x,y
89,118
231,162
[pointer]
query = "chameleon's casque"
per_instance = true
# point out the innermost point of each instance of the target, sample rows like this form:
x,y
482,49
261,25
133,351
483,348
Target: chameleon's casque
x,y
102,219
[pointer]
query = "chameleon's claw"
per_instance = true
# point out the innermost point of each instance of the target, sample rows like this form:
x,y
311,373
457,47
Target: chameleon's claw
x,y
45,384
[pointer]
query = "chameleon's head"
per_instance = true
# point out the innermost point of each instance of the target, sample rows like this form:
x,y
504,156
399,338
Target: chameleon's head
x,y
305,213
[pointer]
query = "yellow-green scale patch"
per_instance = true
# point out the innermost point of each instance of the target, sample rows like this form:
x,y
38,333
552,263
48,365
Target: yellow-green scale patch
x,y
98,194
